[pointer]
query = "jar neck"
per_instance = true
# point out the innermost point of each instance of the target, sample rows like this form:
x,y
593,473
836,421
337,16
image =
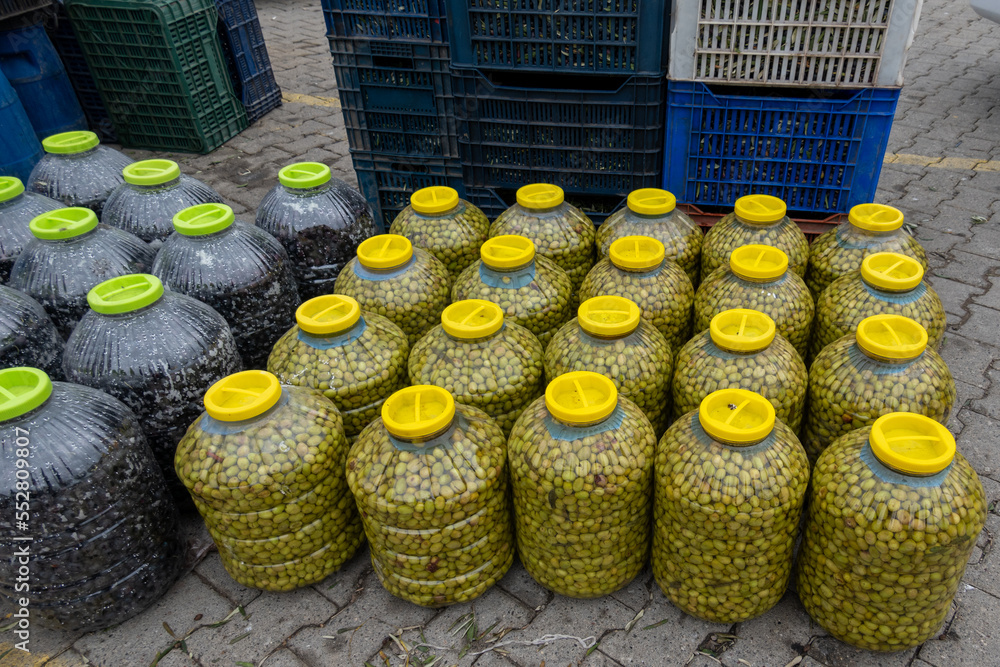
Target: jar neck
x,y
13,200
339,339
884,290
511,269
871,232
307,192
423,442
754,223
886,360
639,272
159,186
759,281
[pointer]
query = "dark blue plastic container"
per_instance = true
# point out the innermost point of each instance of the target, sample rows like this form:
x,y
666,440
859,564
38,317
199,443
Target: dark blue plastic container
x,y
20,149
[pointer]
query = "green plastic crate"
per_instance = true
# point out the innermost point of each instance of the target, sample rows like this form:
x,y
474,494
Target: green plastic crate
x,y
160,70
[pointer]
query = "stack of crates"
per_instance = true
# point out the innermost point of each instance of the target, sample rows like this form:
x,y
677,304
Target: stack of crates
x,y
246,56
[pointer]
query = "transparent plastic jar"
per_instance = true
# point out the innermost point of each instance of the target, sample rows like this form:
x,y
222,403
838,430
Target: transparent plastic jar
x,y
430,480
885,366
532,291
652,212
27,335
560,231
264,465
77,170
449,228
408,286
888,283
356,358
894,515
239,270
17,209
157,352
730,485
481,360
741,349
610,338
319,219
757,278
581,469
757,220
154,192
638,270
69,254
870,228
104,534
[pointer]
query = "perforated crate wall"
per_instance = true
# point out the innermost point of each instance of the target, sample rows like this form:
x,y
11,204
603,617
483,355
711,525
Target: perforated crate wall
x,y
246,55
387,182
408,20
494,201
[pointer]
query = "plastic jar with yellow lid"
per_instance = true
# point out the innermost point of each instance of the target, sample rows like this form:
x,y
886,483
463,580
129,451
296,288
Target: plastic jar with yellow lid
x,y
77,170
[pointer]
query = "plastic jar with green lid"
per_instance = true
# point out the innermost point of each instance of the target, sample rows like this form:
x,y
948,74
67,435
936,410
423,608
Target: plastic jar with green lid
x,y
449,228
69,254
560,231
741,349
756,220
265,466
870,228
17,209
894,514
481,360
610,338
430,479
637,269
888,283
236,268
319,219
406,285
757,278
653,212
730,485
99,527
77,170
532,291
154,192
581,468
27,335
357,359
885,366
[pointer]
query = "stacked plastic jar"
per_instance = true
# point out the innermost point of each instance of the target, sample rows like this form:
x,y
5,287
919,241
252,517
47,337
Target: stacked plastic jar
x,y
357,359
449,228
430,480
888,283
27,335
481,360
265,467
80,483
894,514
730,485
637,269
652,212
581,466
17,209
886,366
77,170
608,337
532,290
757,220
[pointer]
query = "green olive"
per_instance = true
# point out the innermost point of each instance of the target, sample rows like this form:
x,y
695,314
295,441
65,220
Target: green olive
x,y
840,251
680,235
454,236
731,233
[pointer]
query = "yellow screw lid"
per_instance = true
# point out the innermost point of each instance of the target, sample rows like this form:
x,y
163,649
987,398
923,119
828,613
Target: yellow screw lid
x,y
876,217
891,337
633,253
63,223
67,143
742,330
758,262
651,201
760,208
507,252
304,175
328,314
417,412
203,219
540,196
22,389
151,172
385,251
472,318
242,396
891,271
608,316
10,187
912,444
433,200
736,416
581,398
125,294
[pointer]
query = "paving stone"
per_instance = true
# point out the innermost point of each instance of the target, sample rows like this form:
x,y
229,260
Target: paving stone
x,y
636,595
341,586
991,297
42,645
519,583
983,324
214,574
953,294
984,571
284,658
971,640
775,638
977,442
835,653
967,359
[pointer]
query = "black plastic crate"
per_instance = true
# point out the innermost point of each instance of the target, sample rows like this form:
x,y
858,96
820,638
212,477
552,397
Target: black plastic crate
x,y
398,20
493,202
246,55
387,182
23,11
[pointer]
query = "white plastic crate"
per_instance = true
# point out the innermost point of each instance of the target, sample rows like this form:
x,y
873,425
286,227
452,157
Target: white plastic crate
x,y
813,43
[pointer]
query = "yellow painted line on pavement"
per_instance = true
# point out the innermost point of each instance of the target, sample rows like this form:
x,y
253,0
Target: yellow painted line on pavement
x,y
311,100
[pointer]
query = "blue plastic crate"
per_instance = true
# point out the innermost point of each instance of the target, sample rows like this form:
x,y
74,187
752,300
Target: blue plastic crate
x,y
246,56
387,181
819,150
398,20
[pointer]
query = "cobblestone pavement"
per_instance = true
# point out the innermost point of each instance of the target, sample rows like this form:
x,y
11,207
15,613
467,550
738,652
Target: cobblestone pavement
x,y
942,170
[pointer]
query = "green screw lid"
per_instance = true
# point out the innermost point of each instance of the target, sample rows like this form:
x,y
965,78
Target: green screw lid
x,y
67,143
203,219
151,172
125,294
63,223
22,389
10,187
304,175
